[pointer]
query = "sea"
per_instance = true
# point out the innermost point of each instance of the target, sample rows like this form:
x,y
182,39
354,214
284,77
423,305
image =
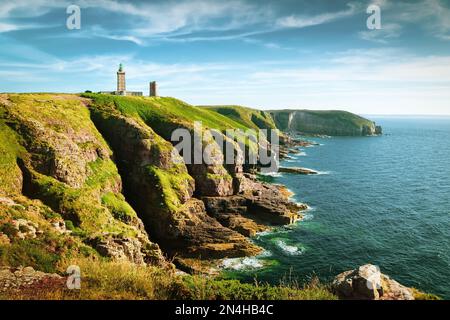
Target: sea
x,y
383,200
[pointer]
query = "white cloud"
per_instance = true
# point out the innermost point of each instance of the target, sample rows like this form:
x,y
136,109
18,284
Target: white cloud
x,y
432,15
302,21
6,27
388,31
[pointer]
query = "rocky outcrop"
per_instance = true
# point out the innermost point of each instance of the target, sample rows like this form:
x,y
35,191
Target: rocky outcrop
x,y
368,283
128,249
25,229
257,208
26,278
297,170
331,123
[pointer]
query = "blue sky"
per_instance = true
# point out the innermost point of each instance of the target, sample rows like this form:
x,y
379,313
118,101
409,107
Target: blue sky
x,y
264,54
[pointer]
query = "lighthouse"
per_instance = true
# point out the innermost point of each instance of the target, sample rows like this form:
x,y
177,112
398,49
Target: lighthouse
x,y
121,85
121,88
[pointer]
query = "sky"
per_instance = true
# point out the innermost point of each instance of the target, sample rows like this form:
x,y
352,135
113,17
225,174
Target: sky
x,y
263,54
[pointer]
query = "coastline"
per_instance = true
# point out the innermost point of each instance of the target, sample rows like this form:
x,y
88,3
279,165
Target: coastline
x,y
251,262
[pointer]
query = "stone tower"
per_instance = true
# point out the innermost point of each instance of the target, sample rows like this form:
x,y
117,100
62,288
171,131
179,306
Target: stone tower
x,y
153,89
121,89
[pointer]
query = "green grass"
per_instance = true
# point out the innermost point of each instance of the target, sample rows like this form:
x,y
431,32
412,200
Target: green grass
x,y
102,279
164,115
419,295
10,150
172,185
45,250
117,205
247,117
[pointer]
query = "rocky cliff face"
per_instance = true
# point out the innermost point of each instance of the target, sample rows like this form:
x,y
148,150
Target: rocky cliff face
x,y
160,188
98,175
61,161
333,123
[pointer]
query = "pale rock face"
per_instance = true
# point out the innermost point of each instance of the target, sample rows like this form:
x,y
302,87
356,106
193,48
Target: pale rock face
x,y
368,283
4,240
121,249
26,229
20,278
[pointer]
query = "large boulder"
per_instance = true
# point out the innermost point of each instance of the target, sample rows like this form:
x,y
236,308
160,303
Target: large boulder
x,y
368,283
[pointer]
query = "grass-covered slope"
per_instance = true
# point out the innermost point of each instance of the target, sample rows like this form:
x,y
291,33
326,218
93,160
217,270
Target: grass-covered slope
x,y
165,113
333,122
249,118
103,280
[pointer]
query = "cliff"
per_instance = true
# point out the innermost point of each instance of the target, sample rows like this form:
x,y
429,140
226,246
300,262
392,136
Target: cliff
x,y
249,118
98,175
332,123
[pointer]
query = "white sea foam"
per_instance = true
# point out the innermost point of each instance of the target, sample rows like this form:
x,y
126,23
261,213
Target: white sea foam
x,y
307,216
247,263
264,233
288,249
296,156
271,174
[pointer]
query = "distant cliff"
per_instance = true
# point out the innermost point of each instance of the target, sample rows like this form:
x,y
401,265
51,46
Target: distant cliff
x,y
333,123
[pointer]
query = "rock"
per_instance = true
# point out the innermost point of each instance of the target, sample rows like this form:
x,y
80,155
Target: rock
x,y
4,239
368,283
18,279
25,229
211,177
120,249
60,227
160,187
259,207
201,236
378,130
297,170
7,201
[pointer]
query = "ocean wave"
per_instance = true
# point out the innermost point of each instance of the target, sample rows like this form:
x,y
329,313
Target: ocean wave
x,y
307,216
240,264
297,155
289,249
271,174
264,233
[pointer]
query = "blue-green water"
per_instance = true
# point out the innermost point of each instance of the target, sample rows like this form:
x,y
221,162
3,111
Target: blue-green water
x,y
381,200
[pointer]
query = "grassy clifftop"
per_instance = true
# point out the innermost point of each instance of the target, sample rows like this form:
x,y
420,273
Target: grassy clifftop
x,y
250,118
332,122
